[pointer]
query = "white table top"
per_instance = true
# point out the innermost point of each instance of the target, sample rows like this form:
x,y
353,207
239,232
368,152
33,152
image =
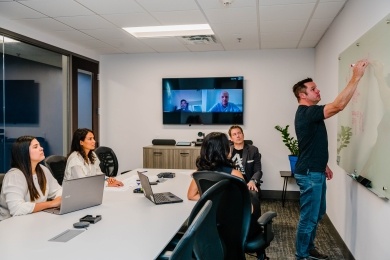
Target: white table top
x,y
132,227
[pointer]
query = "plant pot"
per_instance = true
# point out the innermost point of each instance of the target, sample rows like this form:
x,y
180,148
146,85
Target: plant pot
x,y
293,160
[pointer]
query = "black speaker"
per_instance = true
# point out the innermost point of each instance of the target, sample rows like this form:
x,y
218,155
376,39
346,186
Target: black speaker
x,y
163,142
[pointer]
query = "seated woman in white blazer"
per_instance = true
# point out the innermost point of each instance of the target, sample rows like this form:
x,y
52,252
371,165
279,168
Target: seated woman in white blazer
x,y
82,161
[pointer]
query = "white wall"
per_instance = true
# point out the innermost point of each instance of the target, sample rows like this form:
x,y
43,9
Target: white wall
x,y
131,100
361,218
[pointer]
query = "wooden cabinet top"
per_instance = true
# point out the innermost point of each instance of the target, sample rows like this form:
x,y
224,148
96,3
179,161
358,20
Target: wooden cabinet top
x,y
172,147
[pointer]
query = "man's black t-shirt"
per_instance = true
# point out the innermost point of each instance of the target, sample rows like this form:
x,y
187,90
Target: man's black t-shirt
x,y
237,161
312,139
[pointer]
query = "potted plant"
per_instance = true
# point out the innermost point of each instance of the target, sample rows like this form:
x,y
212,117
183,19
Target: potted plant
x,y
291,143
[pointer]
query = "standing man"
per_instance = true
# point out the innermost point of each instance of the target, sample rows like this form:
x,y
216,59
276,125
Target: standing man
x,y
311,168
247,159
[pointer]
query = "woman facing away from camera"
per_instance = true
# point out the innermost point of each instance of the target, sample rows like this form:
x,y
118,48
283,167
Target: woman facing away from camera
x,y
28,186
214,156
82,160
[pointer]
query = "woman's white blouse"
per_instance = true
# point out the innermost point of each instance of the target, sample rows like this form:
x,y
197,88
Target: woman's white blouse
x,y
15,196
77,168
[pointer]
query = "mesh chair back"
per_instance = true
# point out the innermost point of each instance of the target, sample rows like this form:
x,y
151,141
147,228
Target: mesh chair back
x,y
233,213
57,165
108,161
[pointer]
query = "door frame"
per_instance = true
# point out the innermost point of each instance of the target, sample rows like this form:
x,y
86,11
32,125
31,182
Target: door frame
x,y
93,67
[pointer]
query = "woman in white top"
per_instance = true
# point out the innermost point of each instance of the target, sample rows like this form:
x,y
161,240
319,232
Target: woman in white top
x,y
28,185
82,161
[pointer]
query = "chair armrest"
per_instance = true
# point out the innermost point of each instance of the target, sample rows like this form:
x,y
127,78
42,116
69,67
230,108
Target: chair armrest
x,y
266,218
266,222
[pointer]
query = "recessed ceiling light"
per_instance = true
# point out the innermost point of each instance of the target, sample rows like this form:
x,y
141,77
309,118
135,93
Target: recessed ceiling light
x,y
170,30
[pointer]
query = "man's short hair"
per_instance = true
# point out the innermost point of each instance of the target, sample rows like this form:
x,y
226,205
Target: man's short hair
x,y
300,87
233,127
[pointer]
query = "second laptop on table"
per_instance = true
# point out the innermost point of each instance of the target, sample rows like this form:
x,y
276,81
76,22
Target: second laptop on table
x,y
156,198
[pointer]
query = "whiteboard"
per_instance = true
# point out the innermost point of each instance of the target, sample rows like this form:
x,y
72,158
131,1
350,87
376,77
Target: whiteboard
x,y
363,138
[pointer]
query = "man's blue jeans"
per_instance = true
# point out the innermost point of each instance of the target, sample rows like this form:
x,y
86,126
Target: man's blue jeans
x,y
312,208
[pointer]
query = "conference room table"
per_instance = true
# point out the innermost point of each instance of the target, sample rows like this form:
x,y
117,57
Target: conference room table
x,y
132,227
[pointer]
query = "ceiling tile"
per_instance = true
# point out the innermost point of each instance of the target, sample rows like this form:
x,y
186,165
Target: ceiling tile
x,y
283,25
112,6
285,2
14,10
44,24
327,10
170,44
286,12
239,15
180,17
168,5
86,22
279,44
106,34
131,20
57,8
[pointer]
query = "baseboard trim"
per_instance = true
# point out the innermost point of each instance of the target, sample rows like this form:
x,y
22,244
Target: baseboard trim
x,y
277,195
345,250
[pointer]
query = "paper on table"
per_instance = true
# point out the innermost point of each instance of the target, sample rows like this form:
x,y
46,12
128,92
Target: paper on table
x,y
128,183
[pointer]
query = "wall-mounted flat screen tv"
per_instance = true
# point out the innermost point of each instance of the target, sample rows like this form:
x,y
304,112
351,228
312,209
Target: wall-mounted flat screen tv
x,y
21,99
203,101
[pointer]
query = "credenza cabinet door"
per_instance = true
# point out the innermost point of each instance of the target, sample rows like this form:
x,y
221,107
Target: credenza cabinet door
x,y
158,158
170,157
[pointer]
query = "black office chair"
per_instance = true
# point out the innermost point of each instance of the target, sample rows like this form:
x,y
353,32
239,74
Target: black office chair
x,y
237,234
195,233
208,244
108,161
57,165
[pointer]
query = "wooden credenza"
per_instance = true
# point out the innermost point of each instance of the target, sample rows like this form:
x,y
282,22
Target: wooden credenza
x,y
170,157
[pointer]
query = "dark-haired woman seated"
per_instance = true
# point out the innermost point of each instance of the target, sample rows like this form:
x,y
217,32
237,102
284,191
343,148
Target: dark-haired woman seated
x,y
214,155
82,160
28,185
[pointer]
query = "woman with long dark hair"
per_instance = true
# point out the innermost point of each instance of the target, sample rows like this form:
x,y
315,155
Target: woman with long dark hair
x,y
28,186
213,157
82,160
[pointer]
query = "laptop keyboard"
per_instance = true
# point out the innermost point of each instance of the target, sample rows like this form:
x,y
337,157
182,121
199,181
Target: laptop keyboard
x,y
160,198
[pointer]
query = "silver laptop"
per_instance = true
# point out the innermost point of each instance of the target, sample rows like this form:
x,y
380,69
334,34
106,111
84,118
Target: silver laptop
x,y
80,193
156,198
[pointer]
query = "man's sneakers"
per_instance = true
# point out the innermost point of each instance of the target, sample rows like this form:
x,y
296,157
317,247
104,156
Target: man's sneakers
x,y
314,254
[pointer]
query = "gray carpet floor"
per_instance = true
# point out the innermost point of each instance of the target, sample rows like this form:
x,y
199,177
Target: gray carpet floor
x,y
285,224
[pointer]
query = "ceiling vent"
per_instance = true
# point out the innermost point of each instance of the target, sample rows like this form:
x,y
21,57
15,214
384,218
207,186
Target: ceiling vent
x,y
199,39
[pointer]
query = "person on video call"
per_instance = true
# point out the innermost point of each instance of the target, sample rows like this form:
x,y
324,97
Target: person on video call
x,y
311,170
28,185
183,106
225,105
82,160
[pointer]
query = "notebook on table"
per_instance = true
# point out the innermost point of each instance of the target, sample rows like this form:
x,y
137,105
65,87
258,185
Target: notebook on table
x,y
156,198
79,194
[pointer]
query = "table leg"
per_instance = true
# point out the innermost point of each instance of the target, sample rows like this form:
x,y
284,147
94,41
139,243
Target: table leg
x,y
284,191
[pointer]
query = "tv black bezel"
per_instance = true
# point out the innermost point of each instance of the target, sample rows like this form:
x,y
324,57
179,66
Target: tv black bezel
x,y
204,118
